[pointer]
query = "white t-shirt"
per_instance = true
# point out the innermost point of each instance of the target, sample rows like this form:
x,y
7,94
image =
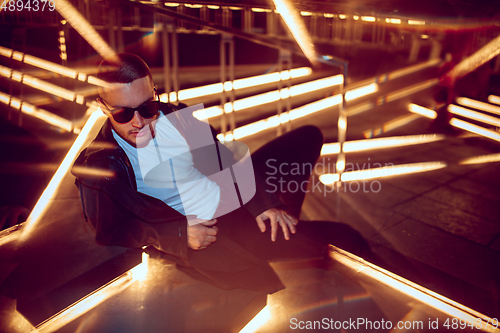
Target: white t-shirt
x,y
181,185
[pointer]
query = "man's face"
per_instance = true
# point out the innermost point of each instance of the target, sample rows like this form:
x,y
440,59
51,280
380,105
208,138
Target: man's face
x,y
138,131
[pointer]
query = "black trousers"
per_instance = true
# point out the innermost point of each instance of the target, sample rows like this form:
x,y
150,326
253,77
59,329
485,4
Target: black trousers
x,y
297,150
240,255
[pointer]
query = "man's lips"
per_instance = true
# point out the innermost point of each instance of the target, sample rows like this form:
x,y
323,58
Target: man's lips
x,y
140,133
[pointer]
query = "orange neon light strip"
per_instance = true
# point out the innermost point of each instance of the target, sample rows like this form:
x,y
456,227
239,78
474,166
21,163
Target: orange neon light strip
x,y
491,158
36,112
94,123
385,171
410,90
417,292
425,112
478,105
86,304
217,88
80,24
494,99
41,85
297,28
269,97
380,143
49,66
390,125
274,121
478,116
480,57
475,129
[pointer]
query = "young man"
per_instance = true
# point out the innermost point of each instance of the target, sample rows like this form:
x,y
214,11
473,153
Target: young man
x,y
230,251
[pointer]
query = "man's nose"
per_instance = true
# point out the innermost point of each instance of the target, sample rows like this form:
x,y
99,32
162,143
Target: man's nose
x,y
137,120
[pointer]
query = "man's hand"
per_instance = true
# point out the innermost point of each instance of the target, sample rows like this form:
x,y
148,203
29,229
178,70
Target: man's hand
x,y
202,234
275,216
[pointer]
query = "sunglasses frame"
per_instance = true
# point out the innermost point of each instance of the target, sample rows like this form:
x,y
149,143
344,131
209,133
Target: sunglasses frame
x,y
131,111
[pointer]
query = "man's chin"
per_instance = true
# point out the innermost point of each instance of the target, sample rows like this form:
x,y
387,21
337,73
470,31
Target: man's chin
x,y
140,141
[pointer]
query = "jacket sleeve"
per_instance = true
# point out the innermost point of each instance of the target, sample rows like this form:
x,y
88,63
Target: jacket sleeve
x,y
124,217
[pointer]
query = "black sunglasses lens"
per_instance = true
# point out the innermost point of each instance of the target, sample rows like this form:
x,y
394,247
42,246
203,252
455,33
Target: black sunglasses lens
x,y
124,115
149,109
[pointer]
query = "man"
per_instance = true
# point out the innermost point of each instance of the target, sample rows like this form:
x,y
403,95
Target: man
x,y
231,251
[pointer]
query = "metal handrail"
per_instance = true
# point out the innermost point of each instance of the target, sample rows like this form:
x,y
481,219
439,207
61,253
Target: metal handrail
x,y
276,44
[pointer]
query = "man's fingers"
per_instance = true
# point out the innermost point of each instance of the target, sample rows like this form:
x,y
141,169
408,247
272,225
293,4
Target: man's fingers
x,y
211,232
261,224
277,216
202,234
209,223
294,220
284,226
291,221
273,218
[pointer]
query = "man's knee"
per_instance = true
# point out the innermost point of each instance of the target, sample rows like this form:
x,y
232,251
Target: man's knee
x,y
311,134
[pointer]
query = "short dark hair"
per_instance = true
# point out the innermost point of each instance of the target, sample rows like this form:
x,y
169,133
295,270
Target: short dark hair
x,y
126,68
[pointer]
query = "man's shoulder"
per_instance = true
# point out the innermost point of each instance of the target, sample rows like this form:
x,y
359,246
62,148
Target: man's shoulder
x,y
102,159
167,108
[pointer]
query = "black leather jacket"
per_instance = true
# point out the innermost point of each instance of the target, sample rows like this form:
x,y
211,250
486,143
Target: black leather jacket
x,y
125,217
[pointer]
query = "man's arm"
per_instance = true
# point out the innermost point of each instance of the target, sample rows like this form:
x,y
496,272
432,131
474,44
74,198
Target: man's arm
x,y
124,217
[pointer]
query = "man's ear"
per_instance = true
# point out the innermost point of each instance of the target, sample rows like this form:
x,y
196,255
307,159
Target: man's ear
x,y
103,107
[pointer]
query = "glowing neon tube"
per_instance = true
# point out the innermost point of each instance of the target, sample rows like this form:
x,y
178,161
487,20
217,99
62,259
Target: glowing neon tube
x,y
478,105
36,112
475,129
478,116
417,292
93,124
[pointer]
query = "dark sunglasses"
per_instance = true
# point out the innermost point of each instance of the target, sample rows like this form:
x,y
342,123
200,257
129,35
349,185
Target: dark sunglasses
x,y
124,115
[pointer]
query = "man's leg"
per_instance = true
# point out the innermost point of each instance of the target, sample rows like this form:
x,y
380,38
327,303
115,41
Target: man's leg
x,y
310,241
290,159
287,162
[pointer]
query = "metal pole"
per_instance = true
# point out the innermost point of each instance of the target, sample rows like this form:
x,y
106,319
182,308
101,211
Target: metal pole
x,y
222,55
382,35
111,25
166,60
314,26
175,61
137,18
270,23
342,130
284,56
231,78
247,20
289,84
415,48
119,29
279,106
